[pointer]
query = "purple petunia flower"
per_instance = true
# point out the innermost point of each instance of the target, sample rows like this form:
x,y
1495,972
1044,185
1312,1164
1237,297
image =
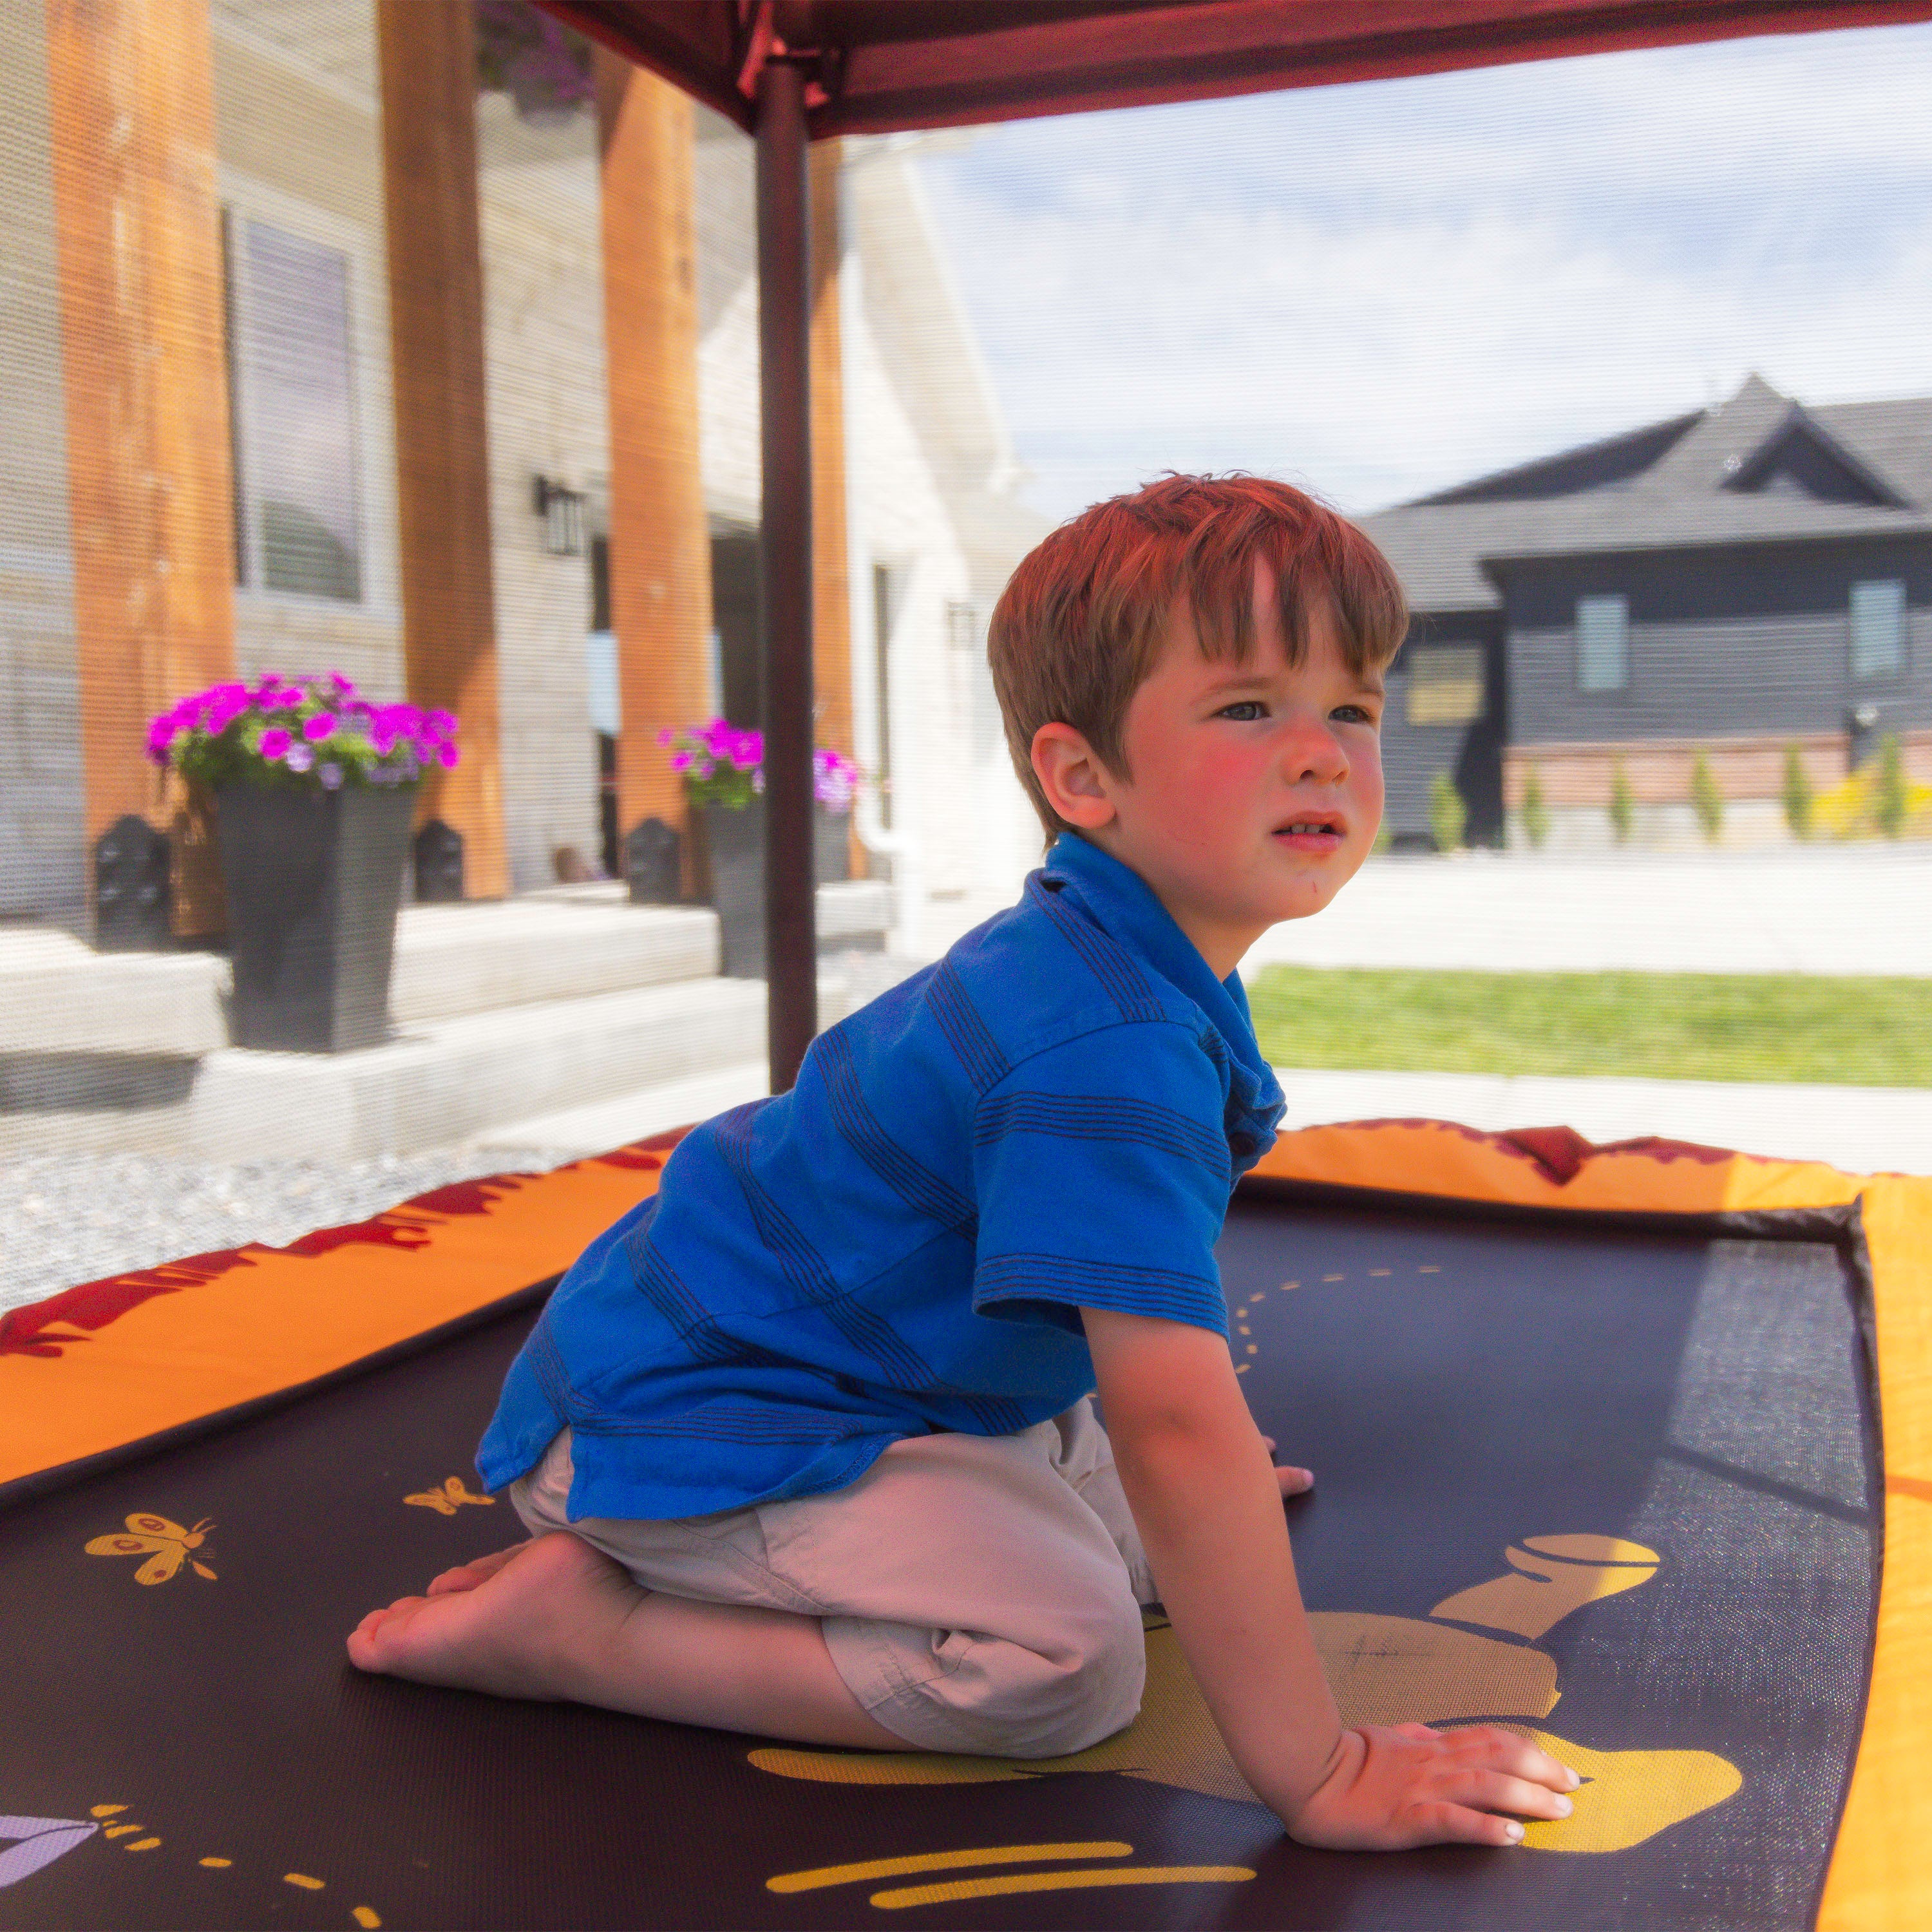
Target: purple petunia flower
x,y
275,743
331,776
446,756
321,726
681,761
299,758
441,723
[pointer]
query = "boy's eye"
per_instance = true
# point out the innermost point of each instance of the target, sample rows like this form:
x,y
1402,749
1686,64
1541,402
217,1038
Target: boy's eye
x,y
1253,707
1353,714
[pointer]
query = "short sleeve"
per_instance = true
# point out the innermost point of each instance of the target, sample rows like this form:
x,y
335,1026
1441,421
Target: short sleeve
x,y
1102,1175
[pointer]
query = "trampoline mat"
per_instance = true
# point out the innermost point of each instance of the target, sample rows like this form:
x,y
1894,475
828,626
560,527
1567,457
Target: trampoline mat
x,y
1610,1484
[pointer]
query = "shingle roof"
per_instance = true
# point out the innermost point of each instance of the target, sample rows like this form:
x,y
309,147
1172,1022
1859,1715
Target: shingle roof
x,y
1713,477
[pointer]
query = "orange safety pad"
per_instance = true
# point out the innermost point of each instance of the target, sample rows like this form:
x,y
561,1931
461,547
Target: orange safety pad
x,y
113,1361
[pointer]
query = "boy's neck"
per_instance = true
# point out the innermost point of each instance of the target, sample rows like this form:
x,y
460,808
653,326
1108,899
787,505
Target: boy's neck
x,y
1222,948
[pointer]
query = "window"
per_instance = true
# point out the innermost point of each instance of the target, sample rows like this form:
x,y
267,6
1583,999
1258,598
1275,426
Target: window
x,y
1878,628
1445,684
1603,643
292,419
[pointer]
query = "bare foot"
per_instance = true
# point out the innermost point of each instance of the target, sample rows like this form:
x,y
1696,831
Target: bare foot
x,y
467,1576
512,1631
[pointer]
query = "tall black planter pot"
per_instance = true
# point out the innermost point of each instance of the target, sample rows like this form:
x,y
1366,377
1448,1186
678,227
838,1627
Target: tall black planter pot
x,y
734,850
734,847
314,881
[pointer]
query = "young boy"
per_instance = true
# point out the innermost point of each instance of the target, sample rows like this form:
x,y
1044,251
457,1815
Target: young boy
x,y
804,1442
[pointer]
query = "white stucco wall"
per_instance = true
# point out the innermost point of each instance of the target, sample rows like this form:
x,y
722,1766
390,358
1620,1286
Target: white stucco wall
x,y
543,293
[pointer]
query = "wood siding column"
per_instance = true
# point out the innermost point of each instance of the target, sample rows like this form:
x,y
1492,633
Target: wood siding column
x,y
660,541
427,54
831,588
132,110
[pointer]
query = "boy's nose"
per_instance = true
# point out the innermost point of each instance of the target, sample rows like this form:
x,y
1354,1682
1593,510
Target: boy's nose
x,y
1314,752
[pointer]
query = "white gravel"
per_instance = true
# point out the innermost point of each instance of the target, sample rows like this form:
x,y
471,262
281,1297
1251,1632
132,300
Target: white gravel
x,y
66,1219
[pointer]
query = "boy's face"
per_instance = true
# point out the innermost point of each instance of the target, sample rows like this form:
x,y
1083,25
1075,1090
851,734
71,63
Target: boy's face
x,y
1257,788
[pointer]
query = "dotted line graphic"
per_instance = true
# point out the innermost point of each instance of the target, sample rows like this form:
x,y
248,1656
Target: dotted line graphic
x,y
364,1915
1245,1348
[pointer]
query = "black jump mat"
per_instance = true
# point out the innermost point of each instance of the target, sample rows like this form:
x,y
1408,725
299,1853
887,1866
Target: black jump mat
x,y
1613,1485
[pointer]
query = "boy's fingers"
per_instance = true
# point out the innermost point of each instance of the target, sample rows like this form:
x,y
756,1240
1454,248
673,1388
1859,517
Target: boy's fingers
x,y
1295,1482
1442,1823
1506,1751
1497,1791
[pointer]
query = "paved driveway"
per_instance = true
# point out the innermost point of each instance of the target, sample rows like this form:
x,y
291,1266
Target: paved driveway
x,y
1815,909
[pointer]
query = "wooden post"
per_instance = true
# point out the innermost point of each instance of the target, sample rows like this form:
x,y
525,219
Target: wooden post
x,y
785,553
427,55
132,101
831,588
660,542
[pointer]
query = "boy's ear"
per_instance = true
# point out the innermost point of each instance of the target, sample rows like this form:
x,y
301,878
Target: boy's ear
x,y
1072,777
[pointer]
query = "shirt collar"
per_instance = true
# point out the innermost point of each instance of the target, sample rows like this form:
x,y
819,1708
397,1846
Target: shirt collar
x,y
1122,904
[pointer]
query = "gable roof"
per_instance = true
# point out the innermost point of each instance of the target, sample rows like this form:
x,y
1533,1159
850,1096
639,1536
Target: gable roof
x,y
1759,467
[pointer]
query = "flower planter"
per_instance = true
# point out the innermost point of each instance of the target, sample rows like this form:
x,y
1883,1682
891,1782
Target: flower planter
x,y
831,843
314,881
734,851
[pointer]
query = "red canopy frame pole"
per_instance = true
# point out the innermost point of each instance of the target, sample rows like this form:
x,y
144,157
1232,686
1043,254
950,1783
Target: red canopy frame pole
x,y
785,321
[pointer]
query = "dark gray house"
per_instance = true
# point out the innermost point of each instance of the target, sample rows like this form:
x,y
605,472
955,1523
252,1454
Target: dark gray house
x,y
1728,582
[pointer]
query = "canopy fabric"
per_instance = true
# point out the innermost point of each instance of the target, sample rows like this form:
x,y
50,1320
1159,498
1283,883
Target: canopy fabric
x,y
885,66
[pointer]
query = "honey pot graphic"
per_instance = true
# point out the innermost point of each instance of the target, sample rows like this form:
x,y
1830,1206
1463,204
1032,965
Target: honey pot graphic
x,y
1474,1657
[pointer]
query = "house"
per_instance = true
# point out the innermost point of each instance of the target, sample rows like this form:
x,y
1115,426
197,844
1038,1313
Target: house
x,y
417,339
1724,584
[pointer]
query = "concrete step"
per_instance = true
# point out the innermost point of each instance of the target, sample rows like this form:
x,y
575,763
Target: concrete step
x,y
59,997
446,1081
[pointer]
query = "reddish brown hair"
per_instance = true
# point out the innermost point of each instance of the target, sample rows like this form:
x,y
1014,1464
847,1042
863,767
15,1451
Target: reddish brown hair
x,y
1080,627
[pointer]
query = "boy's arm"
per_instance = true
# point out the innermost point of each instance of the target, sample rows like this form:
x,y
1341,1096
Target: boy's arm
x,y
1207,1504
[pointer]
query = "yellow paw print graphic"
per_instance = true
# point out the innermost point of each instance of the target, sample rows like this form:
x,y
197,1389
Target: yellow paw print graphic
x,y
1473,1656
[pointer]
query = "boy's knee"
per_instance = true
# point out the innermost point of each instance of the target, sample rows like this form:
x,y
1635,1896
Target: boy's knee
x,y
1088,1689
1046,1686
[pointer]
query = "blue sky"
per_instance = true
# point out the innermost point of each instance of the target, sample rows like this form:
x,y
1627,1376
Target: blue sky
x,y
1380,290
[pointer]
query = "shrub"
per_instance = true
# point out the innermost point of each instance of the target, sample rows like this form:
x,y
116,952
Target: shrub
x,y
1890,799
1447,814
1798,796
1706,800
1623,802
1535,811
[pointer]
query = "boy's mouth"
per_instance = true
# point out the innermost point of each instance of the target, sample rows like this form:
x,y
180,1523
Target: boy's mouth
x,y
1311,831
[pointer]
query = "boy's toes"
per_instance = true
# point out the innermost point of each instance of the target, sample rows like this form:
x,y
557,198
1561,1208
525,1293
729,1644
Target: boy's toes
x,y
367,1648
467,1576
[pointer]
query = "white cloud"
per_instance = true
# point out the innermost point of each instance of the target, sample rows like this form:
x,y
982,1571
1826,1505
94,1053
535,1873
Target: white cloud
x,y
1381,290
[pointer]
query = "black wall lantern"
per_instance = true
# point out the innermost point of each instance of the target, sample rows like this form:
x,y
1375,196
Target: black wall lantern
x,y
561,510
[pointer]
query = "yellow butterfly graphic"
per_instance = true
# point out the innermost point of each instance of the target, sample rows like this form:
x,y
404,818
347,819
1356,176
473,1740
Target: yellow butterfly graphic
x,y
444,1500
168,1542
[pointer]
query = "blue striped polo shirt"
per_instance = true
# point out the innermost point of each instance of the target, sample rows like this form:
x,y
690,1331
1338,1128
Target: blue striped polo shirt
x,y
1051,1117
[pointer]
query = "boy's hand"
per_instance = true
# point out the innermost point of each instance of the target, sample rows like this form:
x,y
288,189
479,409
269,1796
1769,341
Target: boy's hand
x,y
1386,1790
1293,1481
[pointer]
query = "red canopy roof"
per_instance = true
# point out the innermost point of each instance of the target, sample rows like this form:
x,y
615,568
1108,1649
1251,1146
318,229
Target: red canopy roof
x,y
883,65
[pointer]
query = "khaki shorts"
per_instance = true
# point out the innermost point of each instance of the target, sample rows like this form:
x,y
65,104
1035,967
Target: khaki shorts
x,y
978,1593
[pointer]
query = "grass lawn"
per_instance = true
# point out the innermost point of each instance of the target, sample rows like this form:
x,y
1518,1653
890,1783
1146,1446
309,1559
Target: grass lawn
x,y
1671,1026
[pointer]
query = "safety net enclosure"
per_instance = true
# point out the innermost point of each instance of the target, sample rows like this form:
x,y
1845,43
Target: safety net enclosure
x,y
502,505
1641,1380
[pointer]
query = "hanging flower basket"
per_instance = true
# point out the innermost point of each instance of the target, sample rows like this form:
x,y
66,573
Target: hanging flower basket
x,y
314,789
723,769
